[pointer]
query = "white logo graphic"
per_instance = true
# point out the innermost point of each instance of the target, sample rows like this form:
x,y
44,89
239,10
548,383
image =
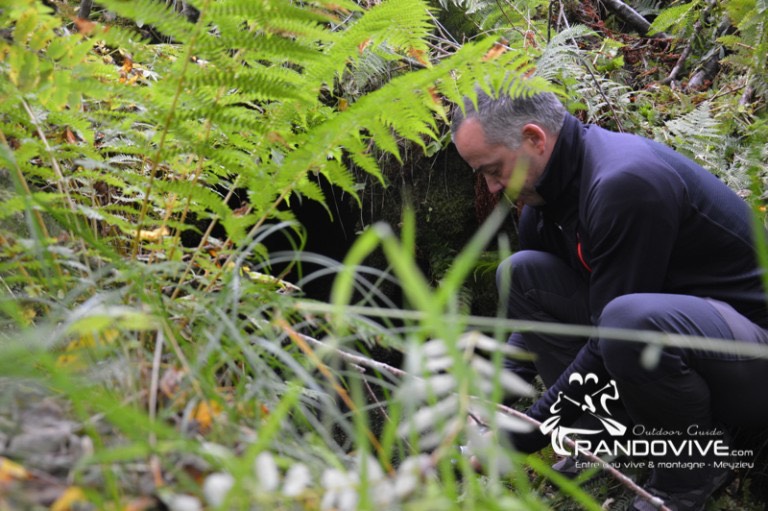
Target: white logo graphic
x,y
606,393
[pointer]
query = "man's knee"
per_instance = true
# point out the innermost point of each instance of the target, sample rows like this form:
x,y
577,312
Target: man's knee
x,y
634,312
624,359
521,268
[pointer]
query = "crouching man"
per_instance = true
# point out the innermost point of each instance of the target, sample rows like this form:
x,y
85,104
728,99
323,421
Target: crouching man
x,y
619,231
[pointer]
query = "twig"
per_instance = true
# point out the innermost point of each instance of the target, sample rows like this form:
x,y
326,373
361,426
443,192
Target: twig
x,y
356,359
746,97
154,461
504,13
710,63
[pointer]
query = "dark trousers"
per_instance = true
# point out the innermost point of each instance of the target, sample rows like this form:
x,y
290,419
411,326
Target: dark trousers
x,y
681,387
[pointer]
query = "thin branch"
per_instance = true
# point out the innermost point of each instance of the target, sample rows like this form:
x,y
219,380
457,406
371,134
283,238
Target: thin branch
x,y
357,359
710,63
154,385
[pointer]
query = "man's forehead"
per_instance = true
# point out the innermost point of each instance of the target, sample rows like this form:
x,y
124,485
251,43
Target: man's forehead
x,y
470,140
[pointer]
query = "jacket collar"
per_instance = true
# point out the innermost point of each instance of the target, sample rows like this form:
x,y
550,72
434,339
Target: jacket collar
x,y
559,181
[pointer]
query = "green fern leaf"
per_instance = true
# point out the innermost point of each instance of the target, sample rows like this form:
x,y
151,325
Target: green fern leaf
x,y
678,15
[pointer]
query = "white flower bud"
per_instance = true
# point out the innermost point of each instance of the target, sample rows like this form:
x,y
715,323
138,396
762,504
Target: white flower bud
x,y
266,471
183,503
216,487
297,478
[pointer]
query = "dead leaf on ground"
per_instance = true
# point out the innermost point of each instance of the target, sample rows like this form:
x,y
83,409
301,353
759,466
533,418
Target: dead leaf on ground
x,y
205,413
11,471
68,500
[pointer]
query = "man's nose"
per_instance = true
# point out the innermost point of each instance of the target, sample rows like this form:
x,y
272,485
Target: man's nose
x,y
493,185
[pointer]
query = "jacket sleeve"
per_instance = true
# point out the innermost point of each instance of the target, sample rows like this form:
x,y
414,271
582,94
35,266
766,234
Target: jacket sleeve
x,y
587,361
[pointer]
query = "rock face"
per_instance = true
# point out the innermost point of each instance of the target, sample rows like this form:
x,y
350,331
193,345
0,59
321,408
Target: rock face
x,y
450,203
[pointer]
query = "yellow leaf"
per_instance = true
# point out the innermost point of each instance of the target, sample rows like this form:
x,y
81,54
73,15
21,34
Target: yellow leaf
x,y
204,414
282,285
153,235
11,471
72,353
29,315
66,500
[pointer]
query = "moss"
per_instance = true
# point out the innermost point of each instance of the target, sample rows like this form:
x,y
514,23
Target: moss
x,y
441,190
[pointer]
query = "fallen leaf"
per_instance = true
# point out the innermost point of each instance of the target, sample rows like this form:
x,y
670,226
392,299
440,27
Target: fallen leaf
x,y
127,66
205,412
69,136
498,49
11,471
153,235
72,356
362,46
125,70
530,40
84,26
169,382
242,210
435,95
67,500
418,55
142,504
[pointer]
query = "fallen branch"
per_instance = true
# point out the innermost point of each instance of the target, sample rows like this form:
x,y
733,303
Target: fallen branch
x,y
707,71
687,51
710,63
629,16
381,366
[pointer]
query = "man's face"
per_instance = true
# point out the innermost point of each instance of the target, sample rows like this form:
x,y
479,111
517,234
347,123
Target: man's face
x,y
497,163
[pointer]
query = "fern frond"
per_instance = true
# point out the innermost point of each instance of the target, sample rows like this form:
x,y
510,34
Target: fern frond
x,y
254,83
699,135
402,25
273,18
160,15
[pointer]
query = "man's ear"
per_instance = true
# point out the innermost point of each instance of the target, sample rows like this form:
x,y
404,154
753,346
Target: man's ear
x,y
535,135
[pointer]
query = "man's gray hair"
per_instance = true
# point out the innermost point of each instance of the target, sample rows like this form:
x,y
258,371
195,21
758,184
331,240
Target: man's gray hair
x,y
503,118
